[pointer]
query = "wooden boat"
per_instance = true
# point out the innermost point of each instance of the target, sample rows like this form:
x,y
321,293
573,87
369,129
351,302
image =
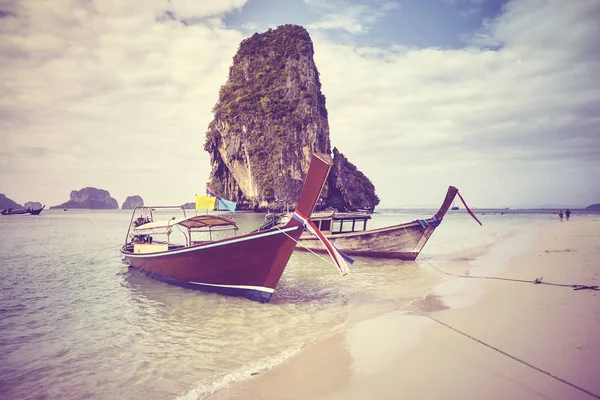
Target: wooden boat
x,y
349,234
247,265
22,211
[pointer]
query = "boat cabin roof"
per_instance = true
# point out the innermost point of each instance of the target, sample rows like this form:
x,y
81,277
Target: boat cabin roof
x,y
197,222
335,215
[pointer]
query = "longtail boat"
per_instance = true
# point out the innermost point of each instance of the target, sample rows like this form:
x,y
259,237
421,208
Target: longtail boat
x,y
348,232
22,211
248,265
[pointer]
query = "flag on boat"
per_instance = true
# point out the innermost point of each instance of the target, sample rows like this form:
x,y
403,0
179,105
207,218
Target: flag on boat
x,y
222,204
337,256
225,205
211,192
205,202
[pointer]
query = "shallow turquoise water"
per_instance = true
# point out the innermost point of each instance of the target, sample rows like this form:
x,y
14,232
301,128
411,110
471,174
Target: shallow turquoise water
x,y
77,323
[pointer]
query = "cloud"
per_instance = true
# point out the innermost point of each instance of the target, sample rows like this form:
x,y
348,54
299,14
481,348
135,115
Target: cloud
x,y
426,118
109,93
352,18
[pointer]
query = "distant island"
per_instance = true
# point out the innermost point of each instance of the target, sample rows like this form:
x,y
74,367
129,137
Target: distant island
x,y
189,206
92,198
132,202
6,203
32,205
593,207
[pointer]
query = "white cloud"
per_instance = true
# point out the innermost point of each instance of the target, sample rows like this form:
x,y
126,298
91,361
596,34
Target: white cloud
x,y
353,18
520,116
102,94
114,98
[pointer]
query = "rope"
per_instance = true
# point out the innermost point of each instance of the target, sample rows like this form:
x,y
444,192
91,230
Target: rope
x,y
515,358
537,281
306,248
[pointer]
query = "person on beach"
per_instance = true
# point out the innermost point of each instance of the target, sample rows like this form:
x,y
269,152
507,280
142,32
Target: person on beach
x,y
568,214
560,215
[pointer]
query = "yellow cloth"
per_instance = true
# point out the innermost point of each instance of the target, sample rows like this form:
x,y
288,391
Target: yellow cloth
x,y
205,202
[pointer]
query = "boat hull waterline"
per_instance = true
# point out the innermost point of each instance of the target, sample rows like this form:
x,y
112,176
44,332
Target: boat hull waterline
x,y
248,265
402,241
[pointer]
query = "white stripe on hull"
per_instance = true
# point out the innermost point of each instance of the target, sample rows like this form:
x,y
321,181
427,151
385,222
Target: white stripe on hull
x,y
259,288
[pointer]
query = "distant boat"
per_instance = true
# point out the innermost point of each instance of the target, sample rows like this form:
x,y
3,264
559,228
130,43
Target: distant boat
x,y
454,206
248,265
22,211
348,232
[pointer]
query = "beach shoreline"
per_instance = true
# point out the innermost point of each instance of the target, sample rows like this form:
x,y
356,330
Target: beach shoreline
x,y
402,353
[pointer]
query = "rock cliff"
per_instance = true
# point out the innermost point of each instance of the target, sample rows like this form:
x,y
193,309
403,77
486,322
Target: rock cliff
x,y
90,197
269,120
349,189
32,205
6,203
132,201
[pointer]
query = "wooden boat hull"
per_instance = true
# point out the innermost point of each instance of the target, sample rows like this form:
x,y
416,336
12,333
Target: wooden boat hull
x,y
403,241
249,265
233,266
22,211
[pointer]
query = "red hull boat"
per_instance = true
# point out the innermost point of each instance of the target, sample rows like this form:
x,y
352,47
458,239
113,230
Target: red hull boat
x,y
248,265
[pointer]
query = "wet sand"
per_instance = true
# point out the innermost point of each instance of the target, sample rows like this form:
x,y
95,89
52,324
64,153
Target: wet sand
x,y
405,354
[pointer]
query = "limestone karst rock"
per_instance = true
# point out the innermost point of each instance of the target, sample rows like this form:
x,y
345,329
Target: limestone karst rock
x,y
32,205
349,189
90,197
6,203
131,202
269,120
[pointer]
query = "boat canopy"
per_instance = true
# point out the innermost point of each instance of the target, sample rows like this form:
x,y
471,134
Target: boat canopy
x,y
335,215
199,221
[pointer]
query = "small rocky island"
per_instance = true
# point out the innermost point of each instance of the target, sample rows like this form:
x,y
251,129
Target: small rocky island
x,y
32,205
132,202
269,119
593,207
6,203
92,198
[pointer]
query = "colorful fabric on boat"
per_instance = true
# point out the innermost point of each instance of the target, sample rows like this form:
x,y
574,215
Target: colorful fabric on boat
x,y
468,209
222,204
337,256
205,202
424,224
210,192
226,205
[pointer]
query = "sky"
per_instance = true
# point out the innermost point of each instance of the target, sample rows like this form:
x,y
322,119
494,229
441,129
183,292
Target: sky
x,y
498,98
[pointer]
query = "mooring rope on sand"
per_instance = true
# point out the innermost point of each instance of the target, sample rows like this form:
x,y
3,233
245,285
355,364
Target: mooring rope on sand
x,y
514,358
537,281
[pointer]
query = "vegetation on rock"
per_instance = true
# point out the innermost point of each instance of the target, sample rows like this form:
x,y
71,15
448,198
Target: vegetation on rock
x,y
269,120
348,188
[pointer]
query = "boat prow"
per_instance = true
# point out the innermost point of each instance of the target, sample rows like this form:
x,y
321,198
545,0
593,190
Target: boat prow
x,y
248,265
348,232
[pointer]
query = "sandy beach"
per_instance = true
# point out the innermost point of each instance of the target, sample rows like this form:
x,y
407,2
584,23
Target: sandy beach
x,y
406,354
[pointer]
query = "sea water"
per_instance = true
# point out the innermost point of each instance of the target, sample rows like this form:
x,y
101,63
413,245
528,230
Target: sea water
x,y
76,322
